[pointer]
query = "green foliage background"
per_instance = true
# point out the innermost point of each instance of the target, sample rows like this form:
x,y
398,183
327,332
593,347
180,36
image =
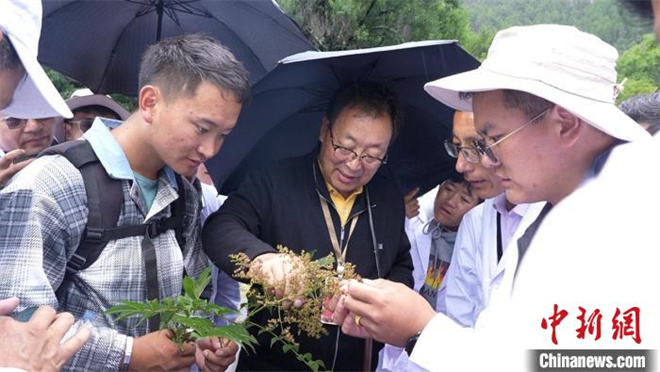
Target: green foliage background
x,y
352,24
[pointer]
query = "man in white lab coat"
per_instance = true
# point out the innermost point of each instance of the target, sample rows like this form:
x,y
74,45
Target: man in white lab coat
x,y
485,232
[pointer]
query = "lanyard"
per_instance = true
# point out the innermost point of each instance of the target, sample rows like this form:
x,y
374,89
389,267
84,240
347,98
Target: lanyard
x,y
499,238
339,254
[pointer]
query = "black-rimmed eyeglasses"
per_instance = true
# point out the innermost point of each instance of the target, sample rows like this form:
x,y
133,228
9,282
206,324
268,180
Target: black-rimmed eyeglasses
x,y
348,155
470,154
15,123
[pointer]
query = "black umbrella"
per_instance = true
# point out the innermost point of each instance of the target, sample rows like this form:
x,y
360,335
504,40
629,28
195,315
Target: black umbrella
x,y
100,43
284,117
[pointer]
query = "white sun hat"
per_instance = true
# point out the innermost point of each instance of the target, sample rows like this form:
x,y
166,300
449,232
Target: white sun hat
x,y
568,67
36,96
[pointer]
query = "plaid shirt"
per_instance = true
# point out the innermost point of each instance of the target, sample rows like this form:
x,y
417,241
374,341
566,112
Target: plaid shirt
x,y
44,212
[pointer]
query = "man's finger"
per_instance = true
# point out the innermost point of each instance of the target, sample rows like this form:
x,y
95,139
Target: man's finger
x,y
8,171
340,312
61,325
359,307
8,305
188,349
10,156
351,328
167,333
43,317
219,361
334,301
72,345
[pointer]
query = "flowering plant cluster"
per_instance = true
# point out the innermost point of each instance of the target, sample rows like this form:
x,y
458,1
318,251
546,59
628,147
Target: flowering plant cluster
x,y
297,302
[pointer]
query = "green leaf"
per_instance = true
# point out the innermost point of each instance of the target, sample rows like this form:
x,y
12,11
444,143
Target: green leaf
x,y
234,332
203,280
184,303
326,261
273,340
189,287
219,310
193,322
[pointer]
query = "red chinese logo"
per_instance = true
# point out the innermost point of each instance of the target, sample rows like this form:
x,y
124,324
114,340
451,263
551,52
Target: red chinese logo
x,y
591,325
556,318
624,324
629,326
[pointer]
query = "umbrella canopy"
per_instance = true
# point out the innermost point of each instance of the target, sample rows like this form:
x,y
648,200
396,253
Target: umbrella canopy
x,y
100,43
284,117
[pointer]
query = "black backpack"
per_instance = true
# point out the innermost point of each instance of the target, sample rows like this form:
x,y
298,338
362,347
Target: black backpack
x,y
104,201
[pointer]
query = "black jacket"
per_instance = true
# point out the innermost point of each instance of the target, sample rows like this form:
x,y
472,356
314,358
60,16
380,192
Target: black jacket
x,y
281,205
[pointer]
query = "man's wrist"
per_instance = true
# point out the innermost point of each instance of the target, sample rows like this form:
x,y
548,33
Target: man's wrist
x,y
128,353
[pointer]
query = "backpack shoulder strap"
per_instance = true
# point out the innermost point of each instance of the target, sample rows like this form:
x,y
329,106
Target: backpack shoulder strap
x,y
104,201
178,211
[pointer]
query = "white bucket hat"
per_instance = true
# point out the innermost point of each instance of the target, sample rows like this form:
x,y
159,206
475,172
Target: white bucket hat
x,y
85,97
568,67
36,96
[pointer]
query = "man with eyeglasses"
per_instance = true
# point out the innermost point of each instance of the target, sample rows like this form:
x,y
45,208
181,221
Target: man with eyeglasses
x,y
86,107
30,135
319,203
485,232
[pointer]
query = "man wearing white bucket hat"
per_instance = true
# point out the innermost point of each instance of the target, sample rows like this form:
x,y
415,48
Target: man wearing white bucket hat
x,y
26,92
544,102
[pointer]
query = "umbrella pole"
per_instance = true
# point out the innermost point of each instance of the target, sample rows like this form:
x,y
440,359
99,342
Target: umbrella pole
x,y
368,346
159,10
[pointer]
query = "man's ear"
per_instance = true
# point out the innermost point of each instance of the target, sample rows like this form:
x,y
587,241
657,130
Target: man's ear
x,y
148,102
570,126
325,125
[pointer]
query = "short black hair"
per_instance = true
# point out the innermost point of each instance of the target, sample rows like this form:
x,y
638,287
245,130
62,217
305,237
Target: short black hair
x,y
459,178
372,98
178,65
9,59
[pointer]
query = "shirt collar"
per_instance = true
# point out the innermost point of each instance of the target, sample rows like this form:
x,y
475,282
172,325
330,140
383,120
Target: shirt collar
x,y
333,191
111,155
499,204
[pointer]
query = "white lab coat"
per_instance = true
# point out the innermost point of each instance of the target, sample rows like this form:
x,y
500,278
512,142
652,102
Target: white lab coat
x,y
420,243
598,249
475,271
